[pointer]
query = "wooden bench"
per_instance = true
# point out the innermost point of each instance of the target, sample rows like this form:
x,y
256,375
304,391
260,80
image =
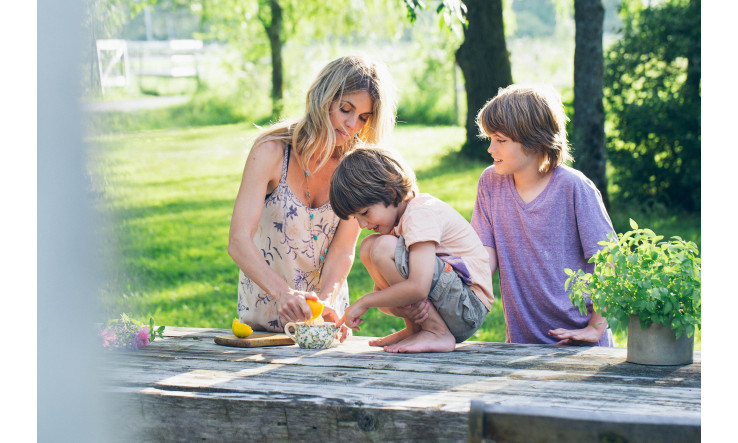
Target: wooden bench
x,y
500,423
185,388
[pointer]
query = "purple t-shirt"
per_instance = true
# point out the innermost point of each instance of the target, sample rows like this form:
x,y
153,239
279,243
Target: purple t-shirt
x,y
535,242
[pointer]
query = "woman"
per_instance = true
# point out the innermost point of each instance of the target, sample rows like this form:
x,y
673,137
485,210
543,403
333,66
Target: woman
x,y
284,236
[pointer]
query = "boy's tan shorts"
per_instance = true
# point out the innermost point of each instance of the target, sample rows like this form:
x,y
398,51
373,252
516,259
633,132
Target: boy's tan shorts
x,y
458,306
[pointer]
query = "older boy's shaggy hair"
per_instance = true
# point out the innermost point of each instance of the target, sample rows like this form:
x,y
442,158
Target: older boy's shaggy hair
x,y
367,176
532,116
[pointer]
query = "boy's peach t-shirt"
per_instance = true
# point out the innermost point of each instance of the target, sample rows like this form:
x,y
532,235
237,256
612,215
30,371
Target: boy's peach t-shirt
x,y
427,218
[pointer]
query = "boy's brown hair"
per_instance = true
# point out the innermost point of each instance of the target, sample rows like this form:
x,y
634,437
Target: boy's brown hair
x,y
367,176
532,116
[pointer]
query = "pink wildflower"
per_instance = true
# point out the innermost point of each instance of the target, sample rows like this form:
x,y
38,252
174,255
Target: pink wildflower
x,y
108,337
127,334
142,337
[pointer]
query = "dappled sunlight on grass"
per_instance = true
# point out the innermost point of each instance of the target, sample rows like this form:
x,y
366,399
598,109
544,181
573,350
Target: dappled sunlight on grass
x,y
207,304
169,196
422,146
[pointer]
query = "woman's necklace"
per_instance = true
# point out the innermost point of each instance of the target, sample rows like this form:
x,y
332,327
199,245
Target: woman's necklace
x,y
310,211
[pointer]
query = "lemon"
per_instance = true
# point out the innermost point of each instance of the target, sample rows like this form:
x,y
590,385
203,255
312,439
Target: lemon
x,y
316,307
240,329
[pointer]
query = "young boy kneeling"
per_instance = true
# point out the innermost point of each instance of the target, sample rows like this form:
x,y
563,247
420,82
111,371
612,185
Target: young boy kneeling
x,y
422,250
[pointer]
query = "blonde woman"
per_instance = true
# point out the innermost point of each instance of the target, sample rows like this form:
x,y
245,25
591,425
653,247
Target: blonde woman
x,y
284,236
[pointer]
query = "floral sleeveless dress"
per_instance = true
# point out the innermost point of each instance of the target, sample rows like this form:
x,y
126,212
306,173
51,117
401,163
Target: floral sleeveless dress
x,y
285,237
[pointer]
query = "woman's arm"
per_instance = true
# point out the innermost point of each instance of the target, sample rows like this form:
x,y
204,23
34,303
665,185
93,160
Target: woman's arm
x,y
337,266
339,259
260,176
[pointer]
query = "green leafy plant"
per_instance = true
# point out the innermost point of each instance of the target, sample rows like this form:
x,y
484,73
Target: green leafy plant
x,y
639,274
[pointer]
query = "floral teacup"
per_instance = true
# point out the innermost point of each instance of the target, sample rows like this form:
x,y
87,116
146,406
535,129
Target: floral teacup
x,y
310,336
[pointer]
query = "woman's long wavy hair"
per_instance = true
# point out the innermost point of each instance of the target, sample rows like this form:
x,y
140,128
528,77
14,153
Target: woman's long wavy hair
x,y
312,136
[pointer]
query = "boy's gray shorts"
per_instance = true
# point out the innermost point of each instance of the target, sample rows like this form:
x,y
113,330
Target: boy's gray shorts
x,y
458,306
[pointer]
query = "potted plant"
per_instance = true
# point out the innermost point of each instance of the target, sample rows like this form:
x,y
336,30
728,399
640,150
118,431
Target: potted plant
x,y
649,287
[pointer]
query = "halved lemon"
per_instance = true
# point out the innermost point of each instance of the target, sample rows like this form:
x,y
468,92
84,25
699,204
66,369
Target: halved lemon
x,y
240,329
316,307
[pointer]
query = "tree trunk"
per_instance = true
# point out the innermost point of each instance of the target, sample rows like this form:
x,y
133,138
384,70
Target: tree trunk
x,y
485,63
588,139
694,60
274,31
692,103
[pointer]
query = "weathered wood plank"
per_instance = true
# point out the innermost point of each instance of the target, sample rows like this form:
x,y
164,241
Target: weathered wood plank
x,y
166,416
186,387
489,359
382,385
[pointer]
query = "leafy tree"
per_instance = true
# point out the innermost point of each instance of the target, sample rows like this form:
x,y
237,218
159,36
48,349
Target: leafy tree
x,y
266,26
270,16
652,90
588,138
482,57
485,62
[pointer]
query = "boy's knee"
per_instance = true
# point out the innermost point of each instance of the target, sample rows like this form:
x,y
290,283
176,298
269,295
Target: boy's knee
x,y
366,247
377,247
384,248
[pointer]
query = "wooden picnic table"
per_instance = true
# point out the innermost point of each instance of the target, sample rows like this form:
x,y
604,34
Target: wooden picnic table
x,y
185,387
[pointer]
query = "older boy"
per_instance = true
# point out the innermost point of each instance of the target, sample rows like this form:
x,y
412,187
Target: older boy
x,y
537,216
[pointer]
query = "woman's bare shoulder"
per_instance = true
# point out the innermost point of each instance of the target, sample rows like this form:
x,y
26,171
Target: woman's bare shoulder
x,y
268,148
266,154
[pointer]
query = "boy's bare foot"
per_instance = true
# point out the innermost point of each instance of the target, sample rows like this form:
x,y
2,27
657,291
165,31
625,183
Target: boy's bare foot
x,y
392,338
424,341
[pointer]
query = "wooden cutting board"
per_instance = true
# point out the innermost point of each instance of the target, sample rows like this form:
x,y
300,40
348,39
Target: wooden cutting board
x,y
255,340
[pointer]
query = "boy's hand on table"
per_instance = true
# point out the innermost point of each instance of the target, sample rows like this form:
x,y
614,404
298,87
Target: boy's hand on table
x,y
590,334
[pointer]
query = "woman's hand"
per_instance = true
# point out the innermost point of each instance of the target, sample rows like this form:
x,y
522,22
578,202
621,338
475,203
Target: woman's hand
x,y
292,306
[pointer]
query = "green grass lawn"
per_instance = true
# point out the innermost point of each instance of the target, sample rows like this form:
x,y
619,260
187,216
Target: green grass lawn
x,y
165,198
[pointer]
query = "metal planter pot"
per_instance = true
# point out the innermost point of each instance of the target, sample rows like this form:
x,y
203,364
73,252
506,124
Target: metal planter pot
x,y
657,345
